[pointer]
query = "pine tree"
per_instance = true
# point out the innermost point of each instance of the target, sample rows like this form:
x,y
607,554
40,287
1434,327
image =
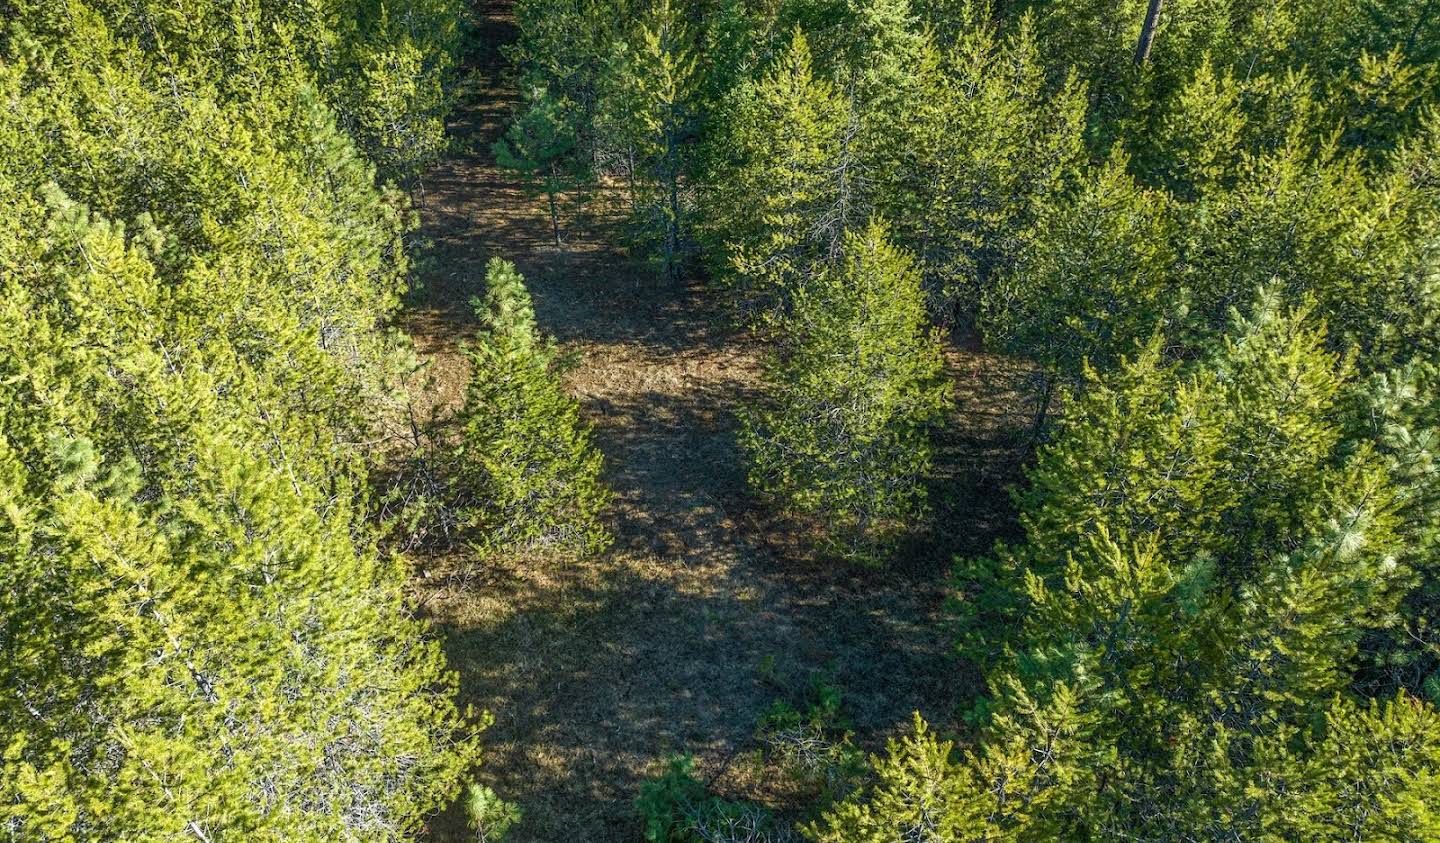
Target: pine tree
x,y
968,210
196,168
176,424
879,55
1397,411
771,180
379,70
1370,774
648,99
1200,138
235,661
1099,282
542,145
1203,554
525,456
398,113
921,793
856,389
565,47
1316,222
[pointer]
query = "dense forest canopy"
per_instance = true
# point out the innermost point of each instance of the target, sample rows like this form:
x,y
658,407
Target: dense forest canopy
x,y
1210,231
200,640
1212,228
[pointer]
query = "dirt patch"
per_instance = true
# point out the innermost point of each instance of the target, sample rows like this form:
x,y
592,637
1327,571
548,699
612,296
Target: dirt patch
x,y
705,610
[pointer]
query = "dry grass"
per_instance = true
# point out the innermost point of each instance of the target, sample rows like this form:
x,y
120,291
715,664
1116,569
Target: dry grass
x,y
706,609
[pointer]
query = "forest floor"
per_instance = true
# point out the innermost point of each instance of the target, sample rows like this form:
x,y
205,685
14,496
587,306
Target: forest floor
x,y
706,609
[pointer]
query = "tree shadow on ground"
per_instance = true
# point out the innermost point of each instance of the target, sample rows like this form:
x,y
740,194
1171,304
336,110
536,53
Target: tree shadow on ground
x,y
678,639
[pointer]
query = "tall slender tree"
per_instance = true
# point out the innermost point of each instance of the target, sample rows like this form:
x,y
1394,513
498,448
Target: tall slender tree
x,y
856,389
649,98
526,458
770,176
543,146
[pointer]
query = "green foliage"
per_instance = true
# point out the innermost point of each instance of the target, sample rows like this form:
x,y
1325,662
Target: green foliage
x,y
1220,620
188,355
1095,285
542,146
772,189
380,72
397,112
1224,575
812,746
490,817
1321,227
855,392
525,456
235,660
870,127
919,794
665,802
1200,137
677,808
1205,552
1370,774
1219,465
1254,43
1397,411
648,106
1119,261
563,46
968,210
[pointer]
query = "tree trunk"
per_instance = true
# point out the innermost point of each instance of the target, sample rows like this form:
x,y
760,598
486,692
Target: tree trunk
x,y
554,208
555,220
1042,412
1147,32
844,185
634,200
672,231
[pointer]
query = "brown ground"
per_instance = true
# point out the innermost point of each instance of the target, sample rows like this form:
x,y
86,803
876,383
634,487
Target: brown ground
x,y
705,610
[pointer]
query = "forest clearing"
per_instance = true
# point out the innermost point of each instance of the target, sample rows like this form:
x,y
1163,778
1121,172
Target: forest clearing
x,y
706,611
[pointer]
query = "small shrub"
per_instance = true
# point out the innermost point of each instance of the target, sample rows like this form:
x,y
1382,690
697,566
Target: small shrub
x,y
813,745
738,822
919,791
491,817
677,808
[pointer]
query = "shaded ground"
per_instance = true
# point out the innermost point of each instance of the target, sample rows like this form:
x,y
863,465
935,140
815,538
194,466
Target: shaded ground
x,y
704,611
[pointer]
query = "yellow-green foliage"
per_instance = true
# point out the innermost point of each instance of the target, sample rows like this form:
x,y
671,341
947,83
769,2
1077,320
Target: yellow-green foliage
x,y
378,66
197,642
855,391
1204,554
922,791
200,640
772,157
525,459
1094,285
968,209
268,215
